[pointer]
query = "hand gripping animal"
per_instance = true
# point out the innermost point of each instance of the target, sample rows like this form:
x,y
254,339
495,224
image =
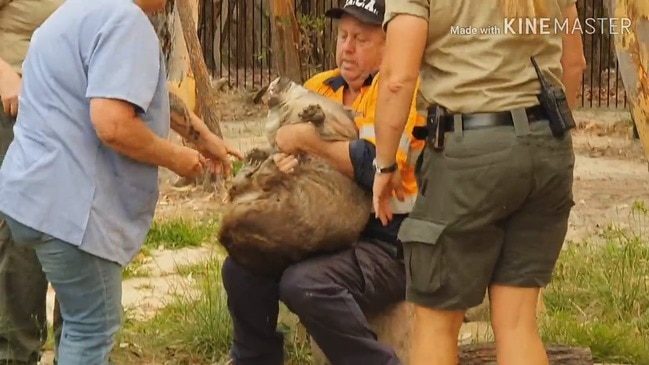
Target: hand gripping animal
x,y
274,219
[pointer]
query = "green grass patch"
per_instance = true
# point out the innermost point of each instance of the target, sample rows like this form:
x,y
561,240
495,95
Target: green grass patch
x,y
599,296
195,326
179,233
135,270
237,165
170,234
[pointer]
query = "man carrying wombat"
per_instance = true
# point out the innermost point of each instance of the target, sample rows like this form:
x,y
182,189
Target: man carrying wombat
x,y
332,293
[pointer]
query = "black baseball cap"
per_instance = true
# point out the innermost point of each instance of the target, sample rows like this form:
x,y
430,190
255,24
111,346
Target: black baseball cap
x,y
367,11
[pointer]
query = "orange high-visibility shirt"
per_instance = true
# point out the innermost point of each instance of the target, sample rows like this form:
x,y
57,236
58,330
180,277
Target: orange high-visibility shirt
x,y
331,84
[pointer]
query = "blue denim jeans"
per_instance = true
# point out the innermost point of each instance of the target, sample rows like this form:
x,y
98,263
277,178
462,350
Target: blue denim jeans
x,y
89,290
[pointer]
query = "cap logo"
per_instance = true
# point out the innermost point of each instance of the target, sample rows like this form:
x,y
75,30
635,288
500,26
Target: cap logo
x,y
365,4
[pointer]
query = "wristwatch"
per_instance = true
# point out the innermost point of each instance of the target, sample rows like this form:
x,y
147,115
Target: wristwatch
x,y
384,170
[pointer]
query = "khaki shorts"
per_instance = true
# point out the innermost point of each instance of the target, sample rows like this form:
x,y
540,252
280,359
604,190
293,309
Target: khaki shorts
x,y
493,208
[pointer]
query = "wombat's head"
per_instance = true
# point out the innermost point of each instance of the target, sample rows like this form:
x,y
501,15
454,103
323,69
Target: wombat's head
x,y
278,89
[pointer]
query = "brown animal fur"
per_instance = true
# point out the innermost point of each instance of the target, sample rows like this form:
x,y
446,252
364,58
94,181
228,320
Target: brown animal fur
x,y
275,219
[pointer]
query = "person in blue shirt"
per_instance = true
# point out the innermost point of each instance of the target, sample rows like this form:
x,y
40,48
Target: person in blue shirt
x,y
79,183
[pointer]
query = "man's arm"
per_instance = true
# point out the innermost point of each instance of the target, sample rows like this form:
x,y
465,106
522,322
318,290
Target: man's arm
x,y
5,68
353,158
119,127
187,124
337,154
10,84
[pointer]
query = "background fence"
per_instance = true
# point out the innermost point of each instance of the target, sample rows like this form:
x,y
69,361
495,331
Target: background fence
x,y
236,40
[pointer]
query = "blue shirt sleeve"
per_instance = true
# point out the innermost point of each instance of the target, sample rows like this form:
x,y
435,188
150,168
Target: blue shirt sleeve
x,y
362,154
124,62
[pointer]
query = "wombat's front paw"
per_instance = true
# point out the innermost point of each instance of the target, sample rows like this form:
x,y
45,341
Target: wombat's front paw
x,y
256,156
313,113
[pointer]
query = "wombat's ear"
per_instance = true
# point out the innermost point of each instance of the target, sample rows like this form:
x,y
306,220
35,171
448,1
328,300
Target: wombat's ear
x,y
283,83
260,94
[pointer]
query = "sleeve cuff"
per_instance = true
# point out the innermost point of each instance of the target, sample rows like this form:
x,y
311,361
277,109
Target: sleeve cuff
x,y
418,8
362,154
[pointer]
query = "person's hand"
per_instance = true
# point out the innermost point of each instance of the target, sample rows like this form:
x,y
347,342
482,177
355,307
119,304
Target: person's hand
x,y
187,162
10,84
285,163
293,137
217,151
384,186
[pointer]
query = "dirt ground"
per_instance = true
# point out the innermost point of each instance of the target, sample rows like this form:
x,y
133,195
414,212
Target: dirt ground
x,y
611,173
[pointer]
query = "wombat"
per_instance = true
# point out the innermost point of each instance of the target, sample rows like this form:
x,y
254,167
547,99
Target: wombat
x,y
274,219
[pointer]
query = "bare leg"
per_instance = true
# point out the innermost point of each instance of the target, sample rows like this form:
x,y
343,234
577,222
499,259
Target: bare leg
x,y
434,337
513,316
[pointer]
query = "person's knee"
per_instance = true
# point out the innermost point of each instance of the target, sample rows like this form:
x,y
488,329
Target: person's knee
x,y
229,271
234,276
240,284
102,326
439,320
97,323
299,287
513,308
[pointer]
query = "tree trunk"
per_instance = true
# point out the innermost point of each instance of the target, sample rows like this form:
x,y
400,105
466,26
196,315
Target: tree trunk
x,y
285,39
167,26
632,50
163,23
485,354
206,97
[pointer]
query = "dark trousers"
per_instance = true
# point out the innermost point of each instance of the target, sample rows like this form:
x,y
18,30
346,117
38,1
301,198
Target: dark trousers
x,y
23,289
330,295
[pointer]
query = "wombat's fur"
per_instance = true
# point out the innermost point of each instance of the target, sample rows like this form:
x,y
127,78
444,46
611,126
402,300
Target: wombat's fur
x,y
274,219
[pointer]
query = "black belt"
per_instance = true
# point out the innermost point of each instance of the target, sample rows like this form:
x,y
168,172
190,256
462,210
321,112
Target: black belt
x,y
489,120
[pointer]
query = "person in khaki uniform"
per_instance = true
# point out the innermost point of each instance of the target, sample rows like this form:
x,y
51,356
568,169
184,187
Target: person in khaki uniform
x,y
23,286
495,180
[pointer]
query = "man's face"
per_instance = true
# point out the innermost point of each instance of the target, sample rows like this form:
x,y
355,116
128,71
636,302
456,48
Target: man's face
x,y
359,49
151,6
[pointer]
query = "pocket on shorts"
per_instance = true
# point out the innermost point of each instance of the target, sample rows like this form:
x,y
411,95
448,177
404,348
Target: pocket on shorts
x,y
424,264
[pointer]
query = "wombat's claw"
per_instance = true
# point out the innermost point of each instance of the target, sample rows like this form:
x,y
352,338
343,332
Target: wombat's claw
x,y
256,156
313,113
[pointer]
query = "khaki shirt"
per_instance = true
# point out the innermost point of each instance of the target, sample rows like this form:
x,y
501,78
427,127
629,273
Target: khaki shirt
x,y
18,21
488,69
